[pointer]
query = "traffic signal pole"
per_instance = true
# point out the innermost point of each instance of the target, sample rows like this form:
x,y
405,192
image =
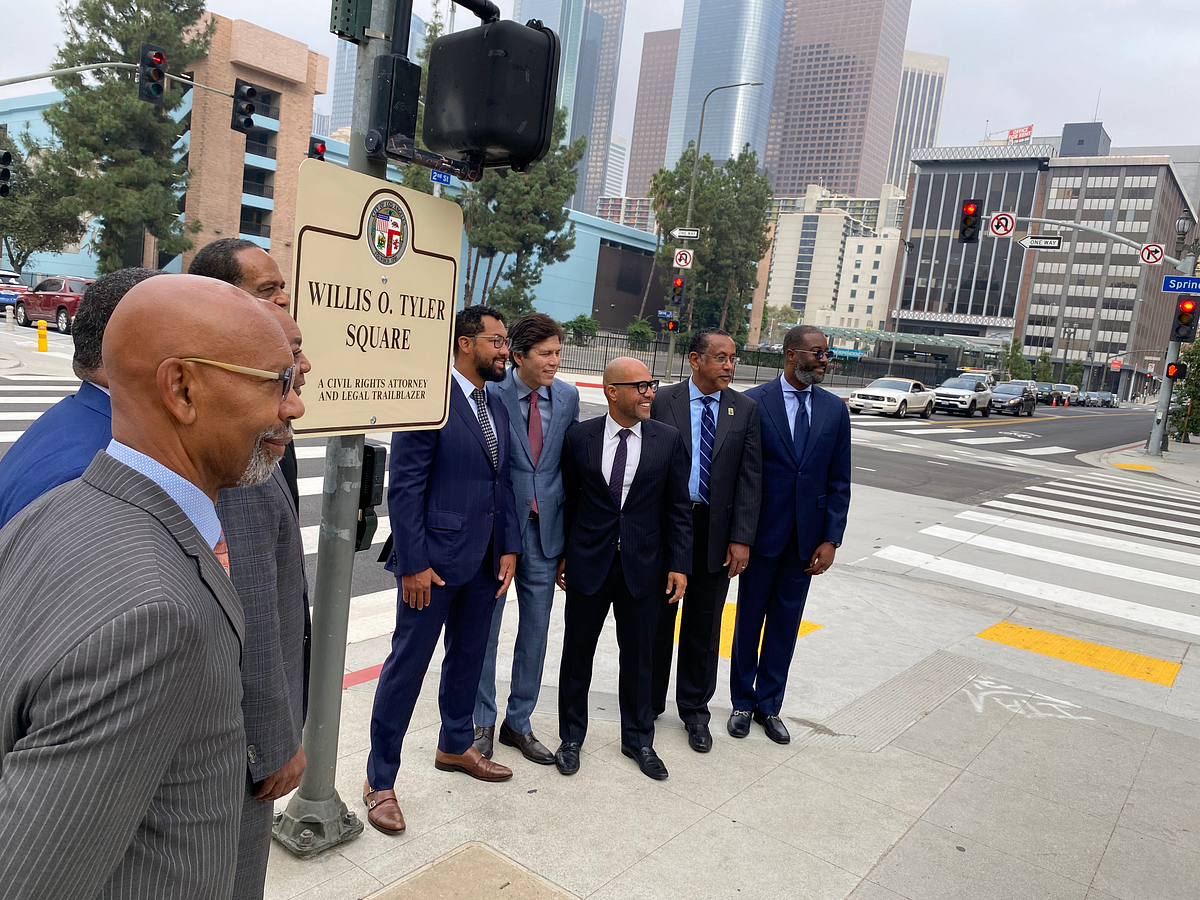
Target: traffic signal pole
x,y
1155,445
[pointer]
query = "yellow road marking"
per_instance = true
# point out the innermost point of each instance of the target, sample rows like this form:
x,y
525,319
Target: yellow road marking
x,y
1137,466
1084,653
727,621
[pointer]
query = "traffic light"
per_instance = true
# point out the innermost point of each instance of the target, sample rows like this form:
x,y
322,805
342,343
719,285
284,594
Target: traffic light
x,y
316,149
968,223
152,74
5,175
1177,370
244,96
672,324
678,284
1183,329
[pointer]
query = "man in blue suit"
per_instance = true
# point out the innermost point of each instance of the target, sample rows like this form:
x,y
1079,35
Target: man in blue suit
x,y
454,551
61,443
540,409
806,497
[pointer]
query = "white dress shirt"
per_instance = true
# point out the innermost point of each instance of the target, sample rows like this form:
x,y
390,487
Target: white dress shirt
x,y
633,453
467,389
791,402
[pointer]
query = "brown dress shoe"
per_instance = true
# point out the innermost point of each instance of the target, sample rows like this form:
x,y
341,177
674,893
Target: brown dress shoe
x,y
473,763
383,810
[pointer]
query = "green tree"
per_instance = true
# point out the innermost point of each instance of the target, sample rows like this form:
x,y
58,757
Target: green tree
x,y
37,216
1186,419
1045,368
417,177
1012,359
581,330
640,333
115,151
1074,373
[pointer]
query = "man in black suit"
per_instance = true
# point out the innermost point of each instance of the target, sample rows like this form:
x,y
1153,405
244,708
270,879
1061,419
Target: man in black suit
x,y
627,520
720,431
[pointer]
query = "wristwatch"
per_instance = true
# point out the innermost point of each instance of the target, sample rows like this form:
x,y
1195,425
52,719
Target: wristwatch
x,y
836,544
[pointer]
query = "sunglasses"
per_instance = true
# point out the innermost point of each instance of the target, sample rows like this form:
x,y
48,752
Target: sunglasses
x,y
817,354
642,386
287,376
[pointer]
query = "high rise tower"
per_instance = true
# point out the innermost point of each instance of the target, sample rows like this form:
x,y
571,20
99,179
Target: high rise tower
x,y
652,116
595,94
918,111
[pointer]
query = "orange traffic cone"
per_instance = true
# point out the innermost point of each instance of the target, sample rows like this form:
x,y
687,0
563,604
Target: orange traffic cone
x,y
1054,400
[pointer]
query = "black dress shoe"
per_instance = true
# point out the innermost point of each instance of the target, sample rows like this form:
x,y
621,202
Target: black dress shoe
x,y
483,740
699,737
739,723
567,757
531,748
774,727
648,762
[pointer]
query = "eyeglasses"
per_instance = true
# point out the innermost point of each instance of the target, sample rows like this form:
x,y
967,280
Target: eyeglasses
x,y
287,376
642,386
817,354
498,340
721,359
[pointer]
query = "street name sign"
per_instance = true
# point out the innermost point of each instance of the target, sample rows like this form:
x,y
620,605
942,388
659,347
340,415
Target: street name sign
x,y
1153,254
1002,225
683,259
439,177
373,293
1041,242
666,314
685,234
1181,284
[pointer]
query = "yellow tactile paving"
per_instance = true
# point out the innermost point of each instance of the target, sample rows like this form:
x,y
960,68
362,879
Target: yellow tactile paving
x,y
727,620
1084,653
1139,466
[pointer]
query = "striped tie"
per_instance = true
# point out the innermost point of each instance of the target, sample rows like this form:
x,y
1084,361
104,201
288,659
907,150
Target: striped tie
x,y
708,434
488,435
221,551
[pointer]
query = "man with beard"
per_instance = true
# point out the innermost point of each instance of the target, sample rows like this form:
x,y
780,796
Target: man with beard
x,y
805,500
122,758
456,538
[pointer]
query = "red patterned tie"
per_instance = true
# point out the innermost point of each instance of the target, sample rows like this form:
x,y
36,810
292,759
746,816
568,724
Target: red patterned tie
x,y
535,434
222,553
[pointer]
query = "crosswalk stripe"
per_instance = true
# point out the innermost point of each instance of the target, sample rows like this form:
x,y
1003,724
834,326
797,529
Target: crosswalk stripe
x,y
1094,523
31,378
1145,505
1058,558
23,416
310,534
314,484
988,440
9,437
63,390
1139,487
1081,537
1042,451
1040,590
923,431
310,453
1123,496
1098,511
47,401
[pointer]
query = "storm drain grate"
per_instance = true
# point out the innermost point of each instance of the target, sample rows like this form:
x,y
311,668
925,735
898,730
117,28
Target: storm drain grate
x,y
877,718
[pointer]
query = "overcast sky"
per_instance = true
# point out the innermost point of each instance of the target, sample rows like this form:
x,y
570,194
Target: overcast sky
x,y
1039,62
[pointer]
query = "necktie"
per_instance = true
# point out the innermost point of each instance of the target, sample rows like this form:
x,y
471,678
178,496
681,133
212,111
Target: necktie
x,y
535,435
800,429
480,399
221,551
708,434
616,479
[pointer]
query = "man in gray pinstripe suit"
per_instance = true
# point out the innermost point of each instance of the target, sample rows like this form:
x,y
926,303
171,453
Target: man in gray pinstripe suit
x,y
121,747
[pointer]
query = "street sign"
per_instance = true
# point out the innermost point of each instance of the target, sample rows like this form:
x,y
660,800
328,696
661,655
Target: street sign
x,y
1181,284
1150,369
439,177
685,234
1041,242
683,259
1001,225
666,314
1116,364
1153,254
373,292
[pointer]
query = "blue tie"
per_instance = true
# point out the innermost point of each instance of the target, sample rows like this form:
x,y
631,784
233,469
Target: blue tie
x,y
708,434
800,429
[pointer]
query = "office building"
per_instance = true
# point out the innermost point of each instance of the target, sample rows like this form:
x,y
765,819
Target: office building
x,y
806,261
614,173
652,115
918,110
724,42
595,95
1185,160
635,212
835,93
321,123
874,213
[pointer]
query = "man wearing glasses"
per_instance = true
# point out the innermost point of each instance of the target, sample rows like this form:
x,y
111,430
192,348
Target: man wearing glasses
x,y
628,526
805,500
720,430
455,543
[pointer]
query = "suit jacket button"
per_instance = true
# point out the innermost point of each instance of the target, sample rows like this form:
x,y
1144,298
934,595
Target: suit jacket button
x,y
490,513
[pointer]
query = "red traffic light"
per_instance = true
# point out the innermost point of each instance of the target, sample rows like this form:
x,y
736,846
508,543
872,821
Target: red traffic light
x,y
157,57
969,209
1187,306
320,148
678,282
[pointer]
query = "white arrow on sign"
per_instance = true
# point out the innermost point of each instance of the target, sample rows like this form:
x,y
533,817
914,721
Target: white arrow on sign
x,y
1002,225
1153,254
1040,242
685,234
683,259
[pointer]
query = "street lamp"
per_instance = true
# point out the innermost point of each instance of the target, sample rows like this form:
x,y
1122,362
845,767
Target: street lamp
x,y
1184,224
700,136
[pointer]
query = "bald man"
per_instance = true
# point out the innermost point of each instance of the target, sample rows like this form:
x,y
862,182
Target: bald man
x,y
628,523
122,757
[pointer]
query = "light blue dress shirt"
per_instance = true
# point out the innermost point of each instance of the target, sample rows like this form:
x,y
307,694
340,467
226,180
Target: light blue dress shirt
x,y
544,409
696,410
791,403
194,502
467,388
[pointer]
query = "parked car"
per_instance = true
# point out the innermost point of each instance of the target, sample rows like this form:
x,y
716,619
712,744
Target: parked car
x,y
11,287
55,300
893,397
1091,398
964,395
1047,394
1108,399
1068,394
1015,397
987,376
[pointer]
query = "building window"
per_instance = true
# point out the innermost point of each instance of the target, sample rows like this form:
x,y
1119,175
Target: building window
x,y
878,249
875,265
858,264
853,294
869,310
855,279
870,295
874,279
860,249
850,307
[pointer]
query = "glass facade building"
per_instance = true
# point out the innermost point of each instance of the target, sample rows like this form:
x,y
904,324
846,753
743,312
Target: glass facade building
x,y
918,111
595,96
724,42
652,115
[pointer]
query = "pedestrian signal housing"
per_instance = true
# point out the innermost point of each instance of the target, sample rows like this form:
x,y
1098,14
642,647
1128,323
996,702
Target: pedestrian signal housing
x,y
1177,370
5,174
1183,329
672,324
152,74
968,223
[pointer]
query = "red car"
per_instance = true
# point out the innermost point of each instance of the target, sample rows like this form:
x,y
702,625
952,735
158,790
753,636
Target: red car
x,y
55,299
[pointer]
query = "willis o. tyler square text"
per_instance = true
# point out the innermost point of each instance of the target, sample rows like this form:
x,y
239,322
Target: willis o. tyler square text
x,y
360,299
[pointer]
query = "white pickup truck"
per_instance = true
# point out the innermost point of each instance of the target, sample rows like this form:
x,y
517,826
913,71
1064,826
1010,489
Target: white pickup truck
x,y
964,395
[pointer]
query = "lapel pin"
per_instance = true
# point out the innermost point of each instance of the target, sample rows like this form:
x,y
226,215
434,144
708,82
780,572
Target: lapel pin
x,y
729,409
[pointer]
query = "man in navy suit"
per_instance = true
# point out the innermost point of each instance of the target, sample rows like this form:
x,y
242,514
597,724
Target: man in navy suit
x,y
454,551
61,443
540,409
806,497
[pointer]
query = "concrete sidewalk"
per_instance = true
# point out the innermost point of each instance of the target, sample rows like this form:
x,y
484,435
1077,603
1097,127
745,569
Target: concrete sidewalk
x,y
1180,463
